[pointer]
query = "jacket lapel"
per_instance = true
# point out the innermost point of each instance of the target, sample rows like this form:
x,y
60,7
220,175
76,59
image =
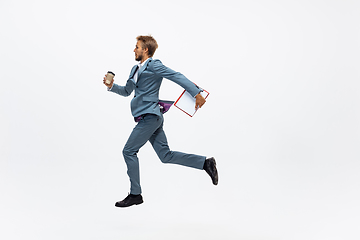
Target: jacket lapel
x,y
143,68
133,71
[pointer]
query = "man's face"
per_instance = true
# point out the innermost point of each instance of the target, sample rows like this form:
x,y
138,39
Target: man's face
x,y
139,51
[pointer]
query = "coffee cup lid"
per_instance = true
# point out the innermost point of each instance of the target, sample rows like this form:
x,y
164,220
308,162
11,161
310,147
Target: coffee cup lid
x,y
111,73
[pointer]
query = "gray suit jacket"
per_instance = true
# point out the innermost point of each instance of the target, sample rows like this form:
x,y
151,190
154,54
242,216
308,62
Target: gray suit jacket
x,y
148,84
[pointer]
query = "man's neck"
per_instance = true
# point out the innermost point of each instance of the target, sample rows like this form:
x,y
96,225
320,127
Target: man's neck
x,y
143,60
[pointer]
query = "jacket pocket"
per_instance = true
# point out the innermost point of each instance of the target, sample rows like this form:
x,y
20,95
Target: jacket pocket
x,y
150,99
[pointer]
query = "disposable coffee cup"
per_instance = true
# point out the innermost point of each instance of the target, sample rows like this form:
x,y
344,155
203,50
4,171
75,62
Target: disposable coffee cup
x,y
109,77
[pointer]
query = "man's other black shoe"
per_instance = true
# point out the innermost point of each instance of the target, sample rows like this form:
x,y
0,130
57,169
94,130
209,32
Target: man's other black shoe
x,y
210,168
130,200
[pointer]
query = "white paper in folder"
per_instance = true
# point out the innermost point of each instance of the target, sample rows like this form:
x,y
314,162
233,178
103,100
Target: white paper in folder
x,y
186,102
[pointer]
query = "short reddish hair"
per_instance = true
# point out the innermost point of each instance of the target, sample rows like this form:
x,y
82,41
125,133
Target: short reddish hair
x,y
148,42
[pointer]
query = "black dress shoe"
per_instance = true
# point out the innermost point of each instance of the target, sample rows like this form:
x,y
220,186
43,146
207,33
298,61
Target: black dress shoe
x,y
130,200
210,168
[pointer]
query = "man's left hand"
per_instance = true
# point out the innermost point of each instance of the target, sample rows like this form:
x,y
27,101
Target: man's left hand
x,y
200,101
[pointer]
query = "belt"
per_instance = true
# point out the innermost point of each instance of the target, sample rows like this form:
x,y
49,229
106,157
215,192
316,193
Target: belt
x,y
164,107
137,119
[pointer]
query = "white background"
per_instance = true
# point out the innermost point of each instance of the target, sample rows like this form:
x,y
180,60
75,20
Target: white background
x,y
282,120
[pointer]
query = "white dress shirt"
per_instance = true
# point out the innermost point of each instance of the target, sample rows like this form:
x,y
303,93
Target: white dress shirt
x,y
137,71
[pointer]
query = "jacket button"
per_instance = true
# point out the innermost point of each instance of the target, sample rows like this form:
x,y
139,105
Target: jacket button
x,y
137,86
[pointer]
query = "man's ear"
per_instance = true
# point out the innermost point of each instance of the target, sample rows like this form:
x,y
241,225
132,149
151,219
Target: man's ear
x,y
146,50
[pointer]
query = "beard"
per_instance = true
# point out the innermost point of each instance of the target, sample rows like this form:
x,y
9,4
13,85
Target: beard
x,y
139,57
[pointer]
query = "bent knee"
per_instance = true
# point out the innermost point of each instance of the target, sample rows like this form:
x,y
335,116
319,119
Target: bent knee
x,y
128,152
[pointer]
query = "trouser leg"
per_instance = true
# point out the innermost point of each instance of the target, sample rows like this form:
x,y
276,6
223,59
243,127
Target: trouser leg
x,y
139,136
159,142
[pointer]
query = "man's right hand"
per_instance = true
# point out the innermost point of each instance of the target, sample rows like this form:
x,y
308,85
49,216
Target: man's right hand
x,y
108,85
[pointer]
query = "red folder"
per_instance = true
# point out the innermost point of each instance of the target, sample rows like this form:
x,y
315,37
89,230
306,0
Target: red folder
x,y
186,102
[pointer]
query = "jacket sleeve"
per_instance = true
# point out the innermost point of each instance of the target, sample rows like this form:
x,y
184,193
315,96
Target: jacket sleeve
x,y
123,90
159,69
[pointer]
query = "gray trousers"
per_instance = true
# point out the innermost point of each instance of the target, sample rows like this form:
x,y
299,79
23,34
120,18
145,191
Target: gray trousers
x,y
150,128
